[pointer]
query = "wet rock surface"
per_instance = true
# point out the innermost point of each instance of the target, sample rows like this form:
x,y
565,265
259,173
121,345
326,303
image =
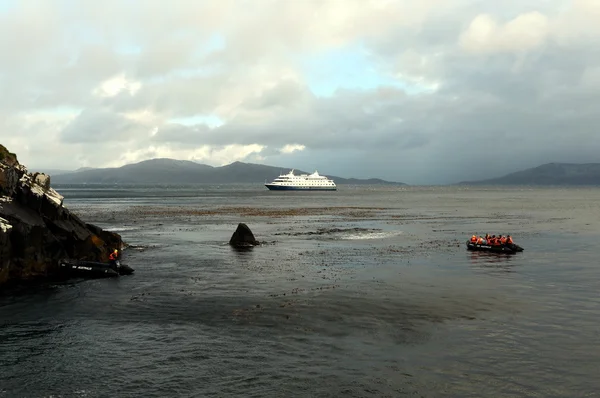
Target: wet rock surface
x,y
36,230
243,237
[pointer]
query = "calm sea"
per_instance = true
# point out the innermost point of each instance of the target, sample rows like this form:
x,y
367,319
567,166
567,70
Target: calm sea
x,y
362,292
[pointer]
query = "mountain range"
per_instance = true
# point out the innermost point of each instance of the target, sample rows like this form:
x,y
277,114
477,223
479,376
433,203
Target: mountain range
x,y
171,171
548,174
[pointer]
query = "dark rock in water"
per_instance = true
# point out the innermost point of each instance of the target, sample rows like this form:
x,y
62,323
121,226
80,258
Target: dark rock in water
x,y
243,237
36,231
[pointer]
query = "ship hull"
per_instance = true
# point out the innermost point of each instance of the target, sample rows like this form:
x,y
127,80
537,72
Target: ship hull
x,y
506,248
296,188
93,269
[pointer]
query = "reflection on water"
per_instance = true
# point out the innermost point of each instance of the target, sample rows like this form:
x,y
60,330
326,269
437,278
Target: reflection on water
x,y
493,261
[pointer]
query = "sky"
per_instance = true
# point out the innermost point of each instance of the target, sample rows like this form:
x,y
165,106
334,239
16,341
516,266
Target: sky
x,y
427,92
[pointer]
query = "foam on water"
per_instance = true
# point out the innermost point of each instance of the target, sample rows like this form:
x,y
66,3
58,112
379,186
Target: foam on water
x,y
121,229
367,235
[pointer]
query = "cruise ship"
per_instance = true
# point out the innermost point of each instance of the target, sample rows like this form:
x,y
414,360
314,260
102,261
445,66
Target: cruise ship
x,y
302,182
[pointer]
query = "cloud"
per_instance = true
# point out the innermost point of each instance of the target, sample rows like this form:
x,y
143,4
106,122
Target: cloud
x,y
93,126
523,33
115,85
292,148
434,91
219,156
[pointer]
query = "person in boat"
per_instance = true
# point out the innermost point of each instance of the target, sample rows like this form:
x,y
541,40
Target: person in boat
x,y
509,240
113,257
473,239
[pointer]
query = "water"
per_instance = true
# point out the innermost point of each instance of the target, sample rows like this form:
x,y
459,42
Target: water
x,y
367,291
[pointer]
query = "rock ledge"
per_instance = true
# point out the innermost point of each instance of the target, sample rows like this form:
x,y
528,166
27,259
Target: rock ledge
x,y
36,230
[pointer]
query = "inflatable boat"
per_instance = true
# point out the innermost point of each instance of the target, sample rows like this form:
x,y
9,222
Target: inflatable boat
x,y
506,248
93,269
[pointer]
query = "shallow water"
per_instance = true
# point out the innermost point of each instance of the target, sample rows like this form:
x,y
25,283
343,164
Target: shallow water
x,y
367,291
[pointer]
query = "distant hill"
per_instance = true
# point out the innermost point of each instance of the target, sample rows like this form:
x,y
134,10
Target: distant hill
x,y
170,171
548,174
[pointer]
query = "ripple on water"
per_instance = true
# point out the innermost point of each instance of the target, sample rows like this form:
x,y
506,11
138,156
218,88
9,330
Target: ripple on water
x,y
409,313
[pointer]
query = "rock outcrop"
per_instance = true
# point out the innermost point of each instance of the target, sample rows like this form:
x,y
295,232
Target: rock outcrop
x,y
243,237
36,230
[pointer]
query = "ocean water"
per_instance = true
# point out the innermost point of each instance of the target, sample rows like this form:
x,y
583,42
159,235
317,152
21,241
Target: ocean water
x,y
362,292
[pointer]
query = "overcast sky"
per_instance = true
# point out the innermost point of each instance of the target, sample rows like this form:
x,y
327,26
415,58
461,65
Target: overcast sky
x,y
423,92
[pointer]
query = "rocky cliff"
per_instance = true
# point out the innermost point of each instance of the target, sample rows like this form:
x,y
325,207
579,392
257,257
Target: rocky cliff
x,y
36,230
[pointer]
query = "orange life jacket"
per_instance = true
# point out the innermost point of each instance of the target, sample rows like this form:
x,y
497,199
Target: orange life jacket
x,y
503,240
473,239
509,241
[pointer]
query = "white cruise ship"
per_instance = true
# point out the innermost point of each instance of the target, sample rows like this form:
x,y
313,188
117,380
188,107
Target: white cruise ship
x,y
302,182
